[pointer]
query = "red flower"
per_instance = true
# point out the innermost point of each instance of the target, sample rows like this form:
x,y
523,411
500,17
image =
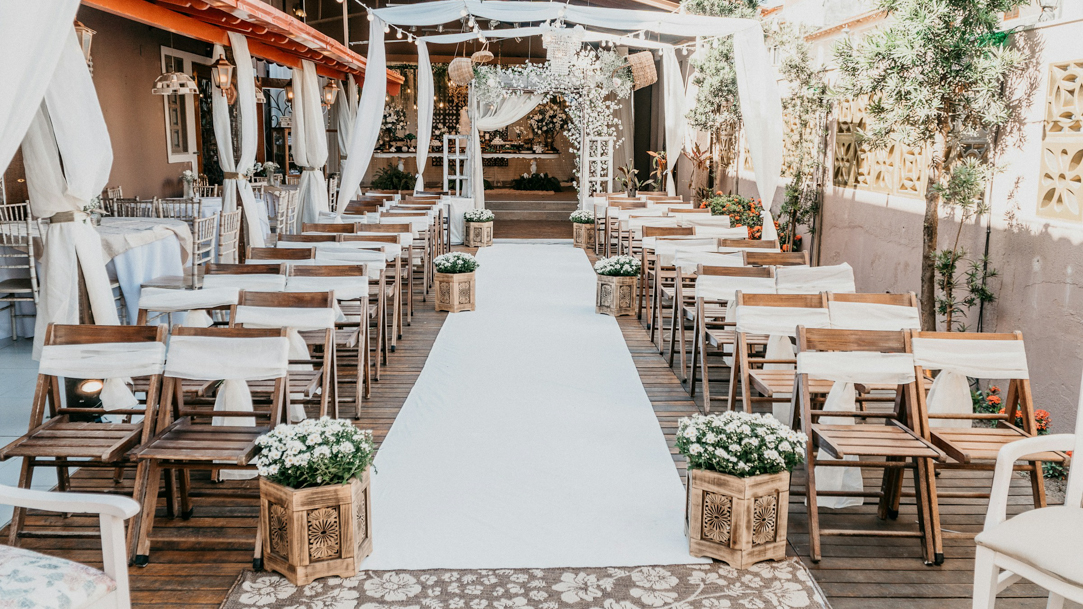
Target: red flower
x,y
994,400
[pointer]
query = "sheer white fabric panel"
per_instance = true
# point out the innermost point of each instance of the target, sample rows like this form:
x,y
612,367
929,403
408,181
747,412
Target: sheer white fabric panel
x,y
67,154
369,114
761,110
769,232
425,89
873,316
488,118
223,136
254,211
676,123
957,359
32,36
310,141
347,109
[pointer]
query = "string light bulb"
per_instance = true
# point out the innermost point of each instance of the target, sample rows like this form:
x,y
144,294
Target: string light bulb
x,y
371,16
398,33
387,28
463,12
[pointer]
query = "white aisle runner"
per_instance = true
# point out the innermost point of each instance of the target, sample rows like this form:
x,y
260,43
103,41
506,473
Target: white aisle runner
x,y
528,440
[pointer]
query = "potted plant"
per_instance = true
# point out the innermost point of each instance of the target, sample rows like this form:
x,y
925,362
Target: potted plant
x,y
479,228
626,177
738,485
617,277
315,510
454,279
188,177
583,228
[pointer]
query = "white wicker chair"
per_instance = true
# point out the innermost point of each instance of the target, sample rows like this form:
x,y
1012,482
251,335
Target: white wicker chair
x,y
1042,545
47,581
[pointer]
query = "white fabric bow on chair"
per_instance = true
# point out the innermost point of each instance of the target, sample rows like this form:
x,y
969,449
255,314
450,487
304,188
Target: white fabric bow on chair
x,y
115,363
957,359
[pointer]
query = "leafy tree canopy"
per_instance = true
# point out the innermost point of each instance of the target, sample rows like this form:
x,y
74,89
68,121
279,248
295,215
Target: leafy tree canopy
x,y
717,105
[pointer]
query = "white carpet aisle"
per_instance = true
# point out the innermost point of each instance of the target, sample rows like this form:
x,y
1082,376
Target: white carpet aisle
x,y
528,440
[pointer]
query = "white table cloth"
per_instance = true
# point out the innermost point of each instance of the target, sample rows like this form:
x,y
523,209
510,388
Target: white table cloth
x,y
213,205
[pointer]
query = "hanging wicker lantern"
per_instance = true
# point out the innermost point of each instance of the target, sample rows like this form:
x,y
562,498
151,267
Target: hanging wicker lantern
x,y
482,56
460,71
643,72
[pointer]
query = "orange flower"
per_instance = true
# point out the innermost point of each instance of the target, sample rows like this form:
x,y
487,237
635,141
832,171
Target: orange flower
x,y
785,247
994,389
993,399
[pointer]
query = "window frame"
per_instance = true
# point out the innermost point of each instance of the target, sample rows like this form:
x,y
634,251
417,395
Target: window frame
x,y
187,59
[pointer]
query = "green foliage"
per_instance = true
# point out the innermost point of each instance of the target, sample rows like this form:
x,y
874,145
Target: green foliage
x,y
717,105
741,210
390,178
628,178
536,181
937,62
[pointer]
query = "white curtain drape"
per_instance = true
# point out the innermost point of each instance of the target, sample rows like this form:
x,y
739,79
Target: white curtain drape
x,y
761,110
676,124
234,187
424,112
32,37
68,156
370,112
309,141
347,113
488,118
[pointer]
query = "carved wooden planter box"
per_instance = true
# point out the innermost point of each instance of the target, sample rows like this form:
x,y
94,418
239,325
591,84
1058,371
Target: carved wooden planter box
x,y
583,235
740,521
479,234
455,292
315,532
616,295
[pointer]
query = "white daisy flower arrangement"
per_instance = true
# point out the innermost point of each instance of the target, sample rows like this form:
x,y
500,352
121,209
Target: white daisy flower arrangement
x,y
478,215
618,266
314,452
582,216
740,444
456,262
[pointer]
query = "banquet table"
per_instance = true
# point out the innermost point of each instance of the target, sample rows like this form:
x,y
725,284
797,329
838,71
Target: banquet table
x,y
135,250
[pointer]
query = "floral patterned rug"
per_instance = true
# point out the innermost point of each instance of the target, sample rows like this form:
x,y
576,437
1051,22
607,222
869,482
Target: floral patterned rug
x,y
785,585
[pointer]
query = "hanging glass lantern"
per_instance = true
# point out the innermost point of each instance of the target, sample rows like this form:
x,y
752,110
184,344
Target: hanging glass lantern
x,y
85,36
561,45
259,92
289,93
330,92
175,83
222,73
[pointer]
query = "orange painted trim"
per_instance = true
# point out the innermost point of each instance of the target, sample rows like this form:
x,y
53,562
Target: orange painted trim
x,y
162,18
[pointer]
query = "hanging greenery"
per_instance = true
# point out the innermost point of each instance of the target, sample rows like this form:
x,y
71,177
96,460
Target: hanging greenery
x,y
592,87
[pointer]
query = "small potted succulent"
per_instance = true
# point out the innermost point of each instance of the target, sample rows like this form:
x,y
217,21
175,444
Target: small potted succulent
x,y
315,509
454,278
583,228
738,485
617,278
479,228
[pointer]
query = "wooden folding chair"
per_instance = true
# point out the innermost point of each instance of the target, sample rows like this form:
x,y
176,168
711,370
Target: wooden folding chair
x,y
770,375
764,258
711,327
199,436
901,442
406,283
976,448
75,434
316,386
648,272
280,253
386,295
613,220
681,297
308,238
351,336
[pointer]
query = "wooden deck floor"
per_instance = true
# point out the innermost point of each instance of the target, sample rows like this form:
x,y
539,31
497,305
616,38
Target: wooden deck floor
x,y
195,561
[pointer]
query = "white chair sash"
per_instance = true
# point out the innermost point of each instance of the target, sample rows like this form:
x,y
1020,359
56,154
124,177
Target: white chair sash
x,y
114,363
345,288
375,261
814,279
688,261
233,361
666,249
722,232
957,359
721,287
194,302
845,369
704,220
873,316
259,282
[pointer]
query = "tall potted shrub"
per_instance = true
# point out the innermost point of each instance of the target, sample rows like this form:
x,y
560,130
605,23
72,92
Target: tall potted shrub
x,y
315,512
738,485
479,228
617,278
583,228
454,278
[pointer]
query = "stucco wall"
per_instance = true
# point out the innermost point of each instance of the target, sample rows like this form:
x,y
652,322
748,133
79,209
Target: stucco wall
x,y
127,59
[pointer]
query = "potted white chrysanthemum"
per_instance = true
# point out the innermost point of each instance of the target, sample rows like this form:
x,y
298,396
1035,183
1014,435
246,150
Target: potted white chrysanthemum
x,y
738,485
479,228
617,278
583,228
454,279
315,510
